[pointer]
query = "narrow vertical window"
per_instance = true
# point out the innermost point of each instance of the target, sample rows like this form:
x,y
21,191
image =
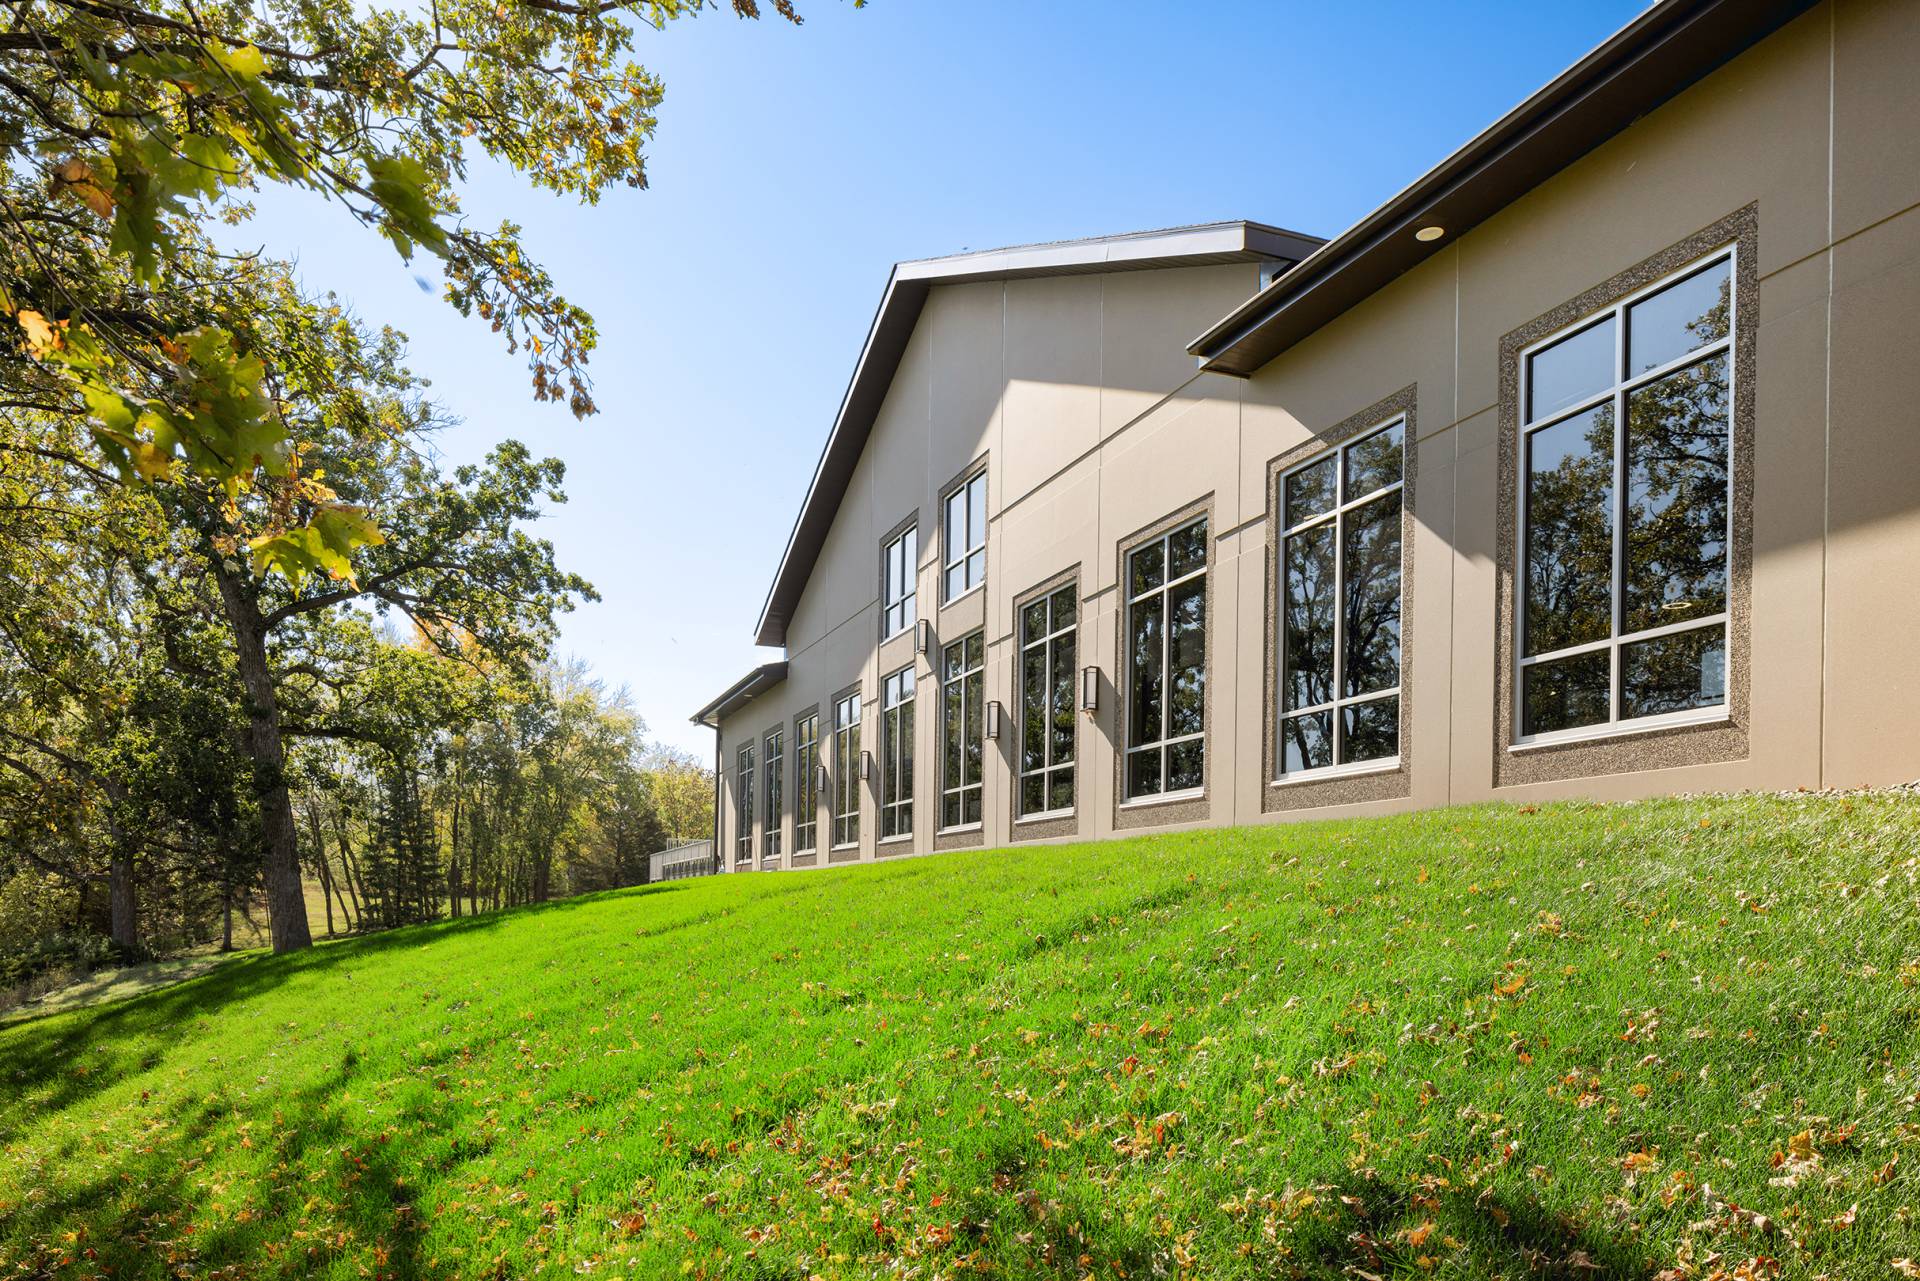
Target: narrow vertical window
x,y
846,772
770,840
1167,661
1049,630
1340,590
806,780
896,754
899,561
743,808
1626,510
964,537
962,687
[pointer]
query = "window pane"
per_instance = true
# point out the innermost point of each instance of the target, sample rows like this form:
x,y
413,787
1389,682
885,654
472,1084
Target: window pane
x,y
1372,730
1187,653
1034,711
1565,693
1187,550
1033,793
1033,622
950,775
1143,772
1064,613
1060,789
977,511
1571,370
976,649
1063,724
1677,492
1374,462
950,810
1569,541
976,569
1185,765
1308,617
976,717
955,532
905,751
1688,313
970,806
1372,623
1310,491
1144,722
1306,742
1674,673
1148,568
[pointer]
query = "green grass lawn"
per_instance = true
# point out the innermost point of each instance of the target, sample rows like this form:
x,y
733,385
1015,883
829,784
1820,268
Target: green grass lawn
x,y
1674,1039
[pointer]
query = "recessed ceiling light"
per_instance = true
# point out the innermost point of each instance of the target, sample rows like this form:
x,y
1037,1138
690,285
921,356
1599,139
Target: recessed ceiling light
x,y
1430,233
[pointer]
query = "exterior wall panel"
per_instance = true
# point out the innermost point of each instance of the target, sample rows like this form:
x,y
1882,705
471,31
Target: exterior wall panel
x,y
1095,428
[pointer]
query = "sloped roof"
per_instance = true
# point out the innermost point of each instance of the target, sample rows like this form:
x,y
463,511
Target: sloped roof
x,y
1668,47
893,323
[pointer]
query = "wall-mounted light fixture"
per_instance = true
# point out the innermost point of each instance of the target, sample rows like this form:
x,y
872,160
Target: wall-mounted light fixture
x,y
866,767
993,721
923,637
820,776
1089,689
1430,233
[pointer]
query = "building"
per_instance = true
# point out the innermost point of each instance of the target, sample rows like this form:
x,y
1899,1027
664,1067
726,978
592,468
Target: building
x,y
1588,465
676,863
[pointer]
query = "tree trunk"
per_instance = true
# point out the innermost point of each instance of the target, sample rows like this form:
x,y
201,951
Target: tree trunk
x,y
286,899
122,901
320,862
453,842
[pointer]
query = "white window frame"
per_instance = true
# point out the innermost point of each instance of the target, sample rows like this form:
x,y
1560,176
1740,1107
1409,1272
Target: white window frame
x,y
846,772
743,806
773,761
897,691
1336,515
1616,394
956,552
1046,643
899,613
1163,743
947,786
806,776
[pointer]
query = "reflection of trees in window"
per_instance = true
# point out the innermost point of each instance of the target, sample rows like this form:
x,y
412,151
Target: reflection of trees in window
x,y
1627,506
846,771
896,754
806,802
1340,589
1167,663
770,843
962,724
1049,630
743,783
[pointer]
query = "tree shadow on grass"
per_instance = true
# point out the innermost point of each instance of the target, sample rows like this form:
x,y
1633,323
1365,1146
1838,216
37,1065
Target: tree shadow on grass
x,y
45,1053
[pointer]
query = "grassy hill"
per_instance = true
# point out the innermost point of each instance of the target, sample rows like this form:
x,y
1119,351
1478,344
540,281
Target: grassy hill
x,y
1674,1039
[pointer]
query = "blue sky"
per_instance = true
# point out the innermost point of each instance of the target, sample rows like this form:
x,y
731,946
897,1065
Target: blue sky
x,y
793,166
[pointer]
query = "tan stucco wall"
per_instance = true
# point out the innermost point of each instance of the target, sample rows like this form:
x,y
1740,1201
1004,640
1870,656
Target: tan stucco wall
x,y
1093,425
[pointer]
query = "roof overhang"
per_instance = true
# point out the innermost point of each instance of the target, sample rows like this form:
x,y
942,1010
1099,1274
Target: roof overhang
x,y
740,693
1670,46
899,311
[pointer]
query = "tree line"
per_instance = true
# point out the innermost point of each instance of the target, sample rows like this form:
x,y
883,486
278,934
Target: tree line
x,y
254,635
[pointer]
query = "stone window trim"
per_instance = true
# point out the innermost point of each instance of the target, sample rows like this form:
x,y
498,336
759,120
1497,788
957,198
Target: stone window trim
x,y
1039,829
1278,795
804,858
1150,812
1654,747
